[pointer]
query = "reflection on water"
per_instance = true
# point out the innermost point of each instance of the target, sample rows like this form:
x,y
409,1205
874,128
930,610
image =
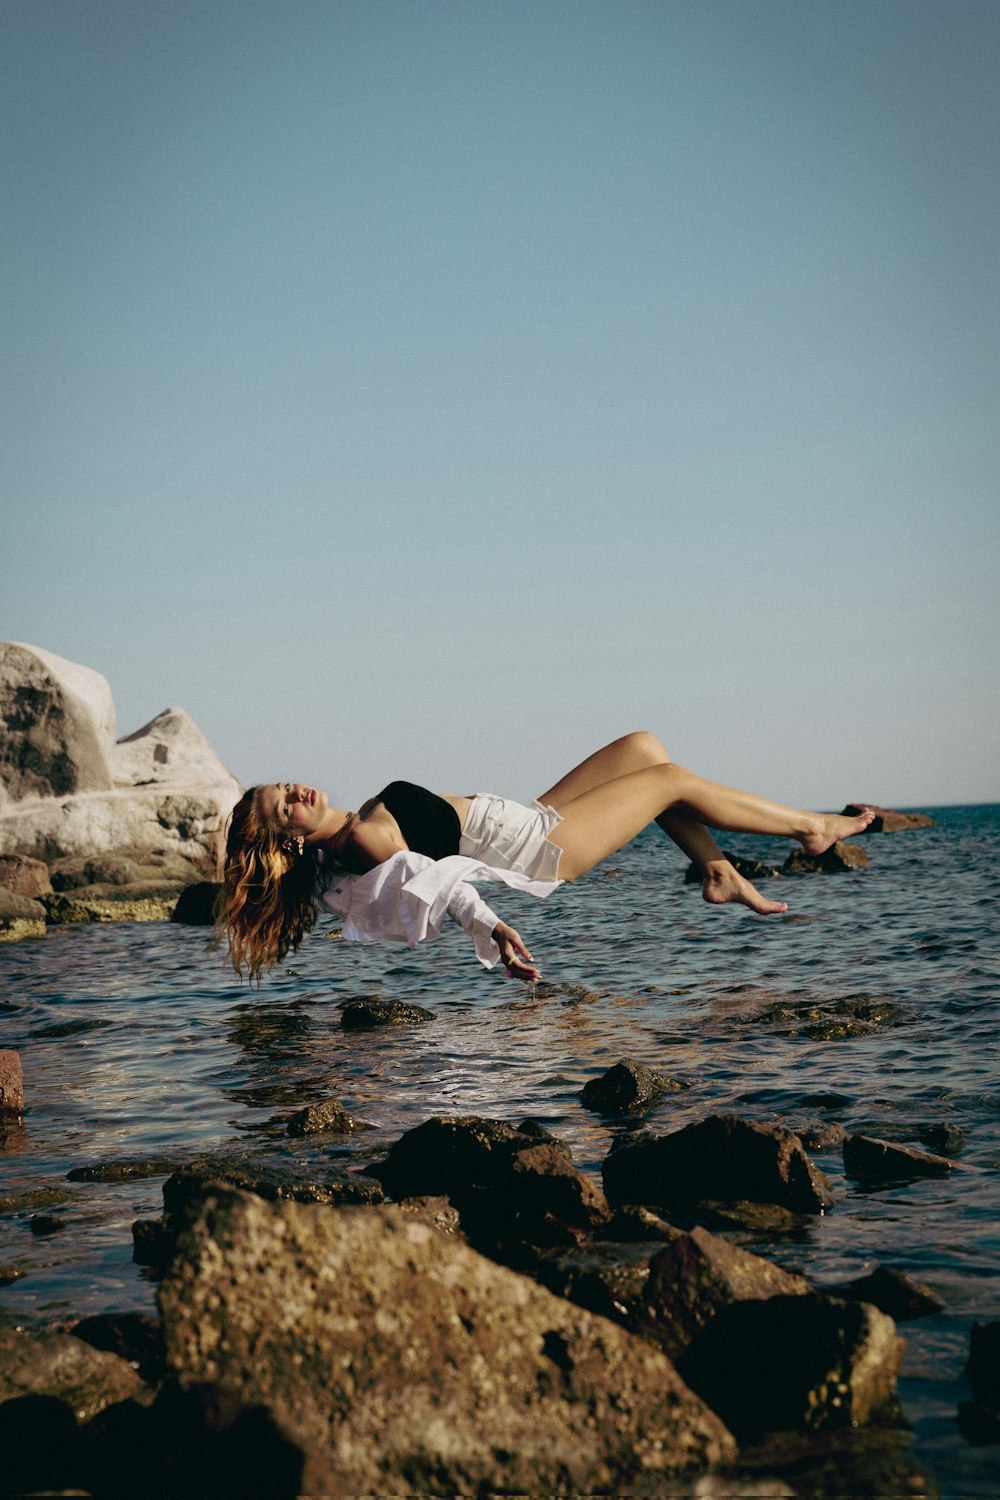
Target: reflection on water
x,y
135,1043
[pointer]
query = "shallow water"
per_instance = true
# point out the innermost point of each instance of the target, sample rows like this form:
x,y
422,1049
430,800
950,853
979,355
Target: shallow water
x,y
136,1044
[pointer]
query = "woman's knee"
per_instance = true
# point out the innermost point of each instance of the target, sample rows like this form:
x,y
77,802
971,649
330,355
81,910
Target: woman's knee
x,y
646,748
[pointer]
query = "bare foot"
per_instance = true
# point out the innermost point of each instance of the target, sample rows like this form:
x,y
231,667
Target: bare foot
x,y
724,883
829,827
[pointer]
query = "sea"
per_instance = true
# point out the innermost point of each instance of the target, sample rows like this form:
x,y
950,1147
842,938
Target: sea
x,y
873,1004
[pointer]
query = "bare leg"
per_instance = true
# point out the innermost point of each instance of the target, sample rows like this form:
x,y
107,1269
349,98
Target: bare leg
x,y
722,882
600,820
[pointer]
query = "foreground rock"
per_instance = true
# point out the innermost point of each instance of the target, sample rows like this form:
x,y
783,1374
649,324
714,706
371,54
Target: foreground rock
x,y
66,788
626,1088
887,821
794,1363
63,1369
696,1276
719,1158
400,1361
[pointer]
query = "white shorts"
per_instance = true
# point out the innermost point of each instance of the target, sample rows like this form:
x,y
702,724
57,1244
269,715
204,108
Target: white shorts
x,y
509,836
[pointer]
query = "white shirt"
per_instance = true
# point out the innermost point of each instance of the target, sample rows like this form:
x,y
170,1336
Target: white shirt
x,y
407,898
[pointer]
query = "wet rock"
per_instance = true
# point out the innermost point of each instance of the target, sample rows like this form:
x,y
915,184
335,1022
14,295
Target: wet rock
x,y
45,1224
24,877
691,1279
721,1157
10,1274
829,1020
437,1211
35,1198
327,1118
153,1240
832,861
196,904
635,1223
892,1292
752,869
509,1188
140,902
123,1171
69,1028
757,1218
63,1369
873,1461
11,1084
361,1015
944,1137
626,1087
869,1160
401,1361
794,1362
20,917
605,1278
887,821
133,1337
826,1137
983,1365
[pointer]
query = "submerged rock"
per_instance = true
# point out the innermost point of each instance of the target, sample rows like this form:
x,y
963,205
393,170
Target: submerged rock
x,y
123,1171
869,1160
401,1361
829,1020
328,1117
721,1157
794,1362
360,1015
626,1087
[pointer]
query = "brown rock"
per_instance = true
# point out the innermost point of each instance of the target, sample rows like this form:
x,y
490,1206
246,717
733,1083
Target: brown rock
x,y
832,861
720,1157
329,1117
626,1087
402,1362
24,876
695,1276
61,1367
752,869
869,1160
20,917
892,1292
887,821
808,1361
11,1084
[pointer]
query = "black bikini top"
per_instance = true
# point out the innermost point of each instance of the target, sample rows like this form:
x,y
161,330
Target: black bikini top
x,y
428,823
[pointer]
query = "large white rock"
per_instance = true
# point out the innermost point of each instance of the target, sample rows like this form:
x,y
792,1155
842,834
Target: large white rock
x,y
57,725
66,788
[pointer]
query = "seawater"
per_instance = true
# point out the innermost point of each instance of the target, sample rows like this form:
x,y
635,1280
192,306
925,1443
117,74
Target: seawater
x,y
136,1043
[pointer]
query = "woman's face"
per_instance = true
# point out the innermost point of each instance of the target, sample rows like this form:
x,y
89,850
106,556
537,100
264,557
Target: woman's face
x,y
291,808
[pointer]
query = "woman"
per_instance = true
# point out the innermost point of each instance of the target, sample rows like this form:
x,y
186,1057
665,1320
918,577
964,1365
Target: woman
x,y
403,864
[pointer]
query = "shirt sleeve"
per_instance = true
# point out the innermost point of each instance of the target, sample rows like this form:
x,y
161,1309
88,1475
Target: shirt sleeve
x,y
475,918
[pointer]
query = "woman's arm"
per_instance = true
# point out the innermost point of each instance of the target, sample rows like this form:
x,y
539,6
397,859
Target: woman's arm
x,y
516,958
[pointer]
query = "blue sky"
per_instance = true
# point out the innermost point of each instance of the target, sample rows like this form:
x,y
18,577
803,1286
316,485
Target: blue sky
x,y
439,388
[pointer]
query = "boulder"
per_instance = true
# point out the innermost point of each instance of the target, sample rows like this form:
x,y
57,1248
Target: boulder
x,y
24,877
67,789
887,821
20,918
718,1158
627,1087
196,904
892,1292
832,861
696,1275
400,1361
867,1159
327,1117
57,726
794,1362
511,1188
11,1084
65,1369
121,867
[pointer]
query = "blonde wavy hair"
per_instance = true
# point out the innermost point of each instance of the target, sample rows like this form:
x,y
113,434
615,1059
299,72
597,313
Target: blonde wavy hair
x,y
269,897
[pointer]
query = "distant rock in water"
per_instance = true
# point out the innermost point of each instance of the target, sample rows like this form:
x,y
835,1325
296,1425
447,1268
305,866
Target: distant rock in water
x,y
67,788
832,861
887,821
752,869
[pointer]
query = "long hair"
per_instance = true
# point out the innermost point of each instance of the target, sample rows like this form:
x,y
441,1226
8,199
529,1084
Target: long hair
x,y
269,896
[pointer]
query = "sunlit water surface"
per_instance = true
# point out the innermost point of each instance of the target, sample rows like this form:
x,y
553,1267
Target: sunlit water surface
x,y
135,1043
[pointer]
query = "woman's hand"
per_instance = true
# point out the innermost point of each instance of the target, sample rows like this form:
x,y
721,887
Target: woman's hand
x,y
515,956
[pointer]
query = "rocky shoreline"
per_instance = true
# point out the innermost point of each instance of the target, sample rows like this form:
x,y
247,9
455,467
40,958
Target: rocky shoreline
x,y
473,1314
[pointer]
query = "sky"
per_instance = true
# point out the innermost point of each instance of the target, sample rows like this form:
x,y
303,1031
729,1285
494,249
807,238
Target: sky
x,y
439,389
